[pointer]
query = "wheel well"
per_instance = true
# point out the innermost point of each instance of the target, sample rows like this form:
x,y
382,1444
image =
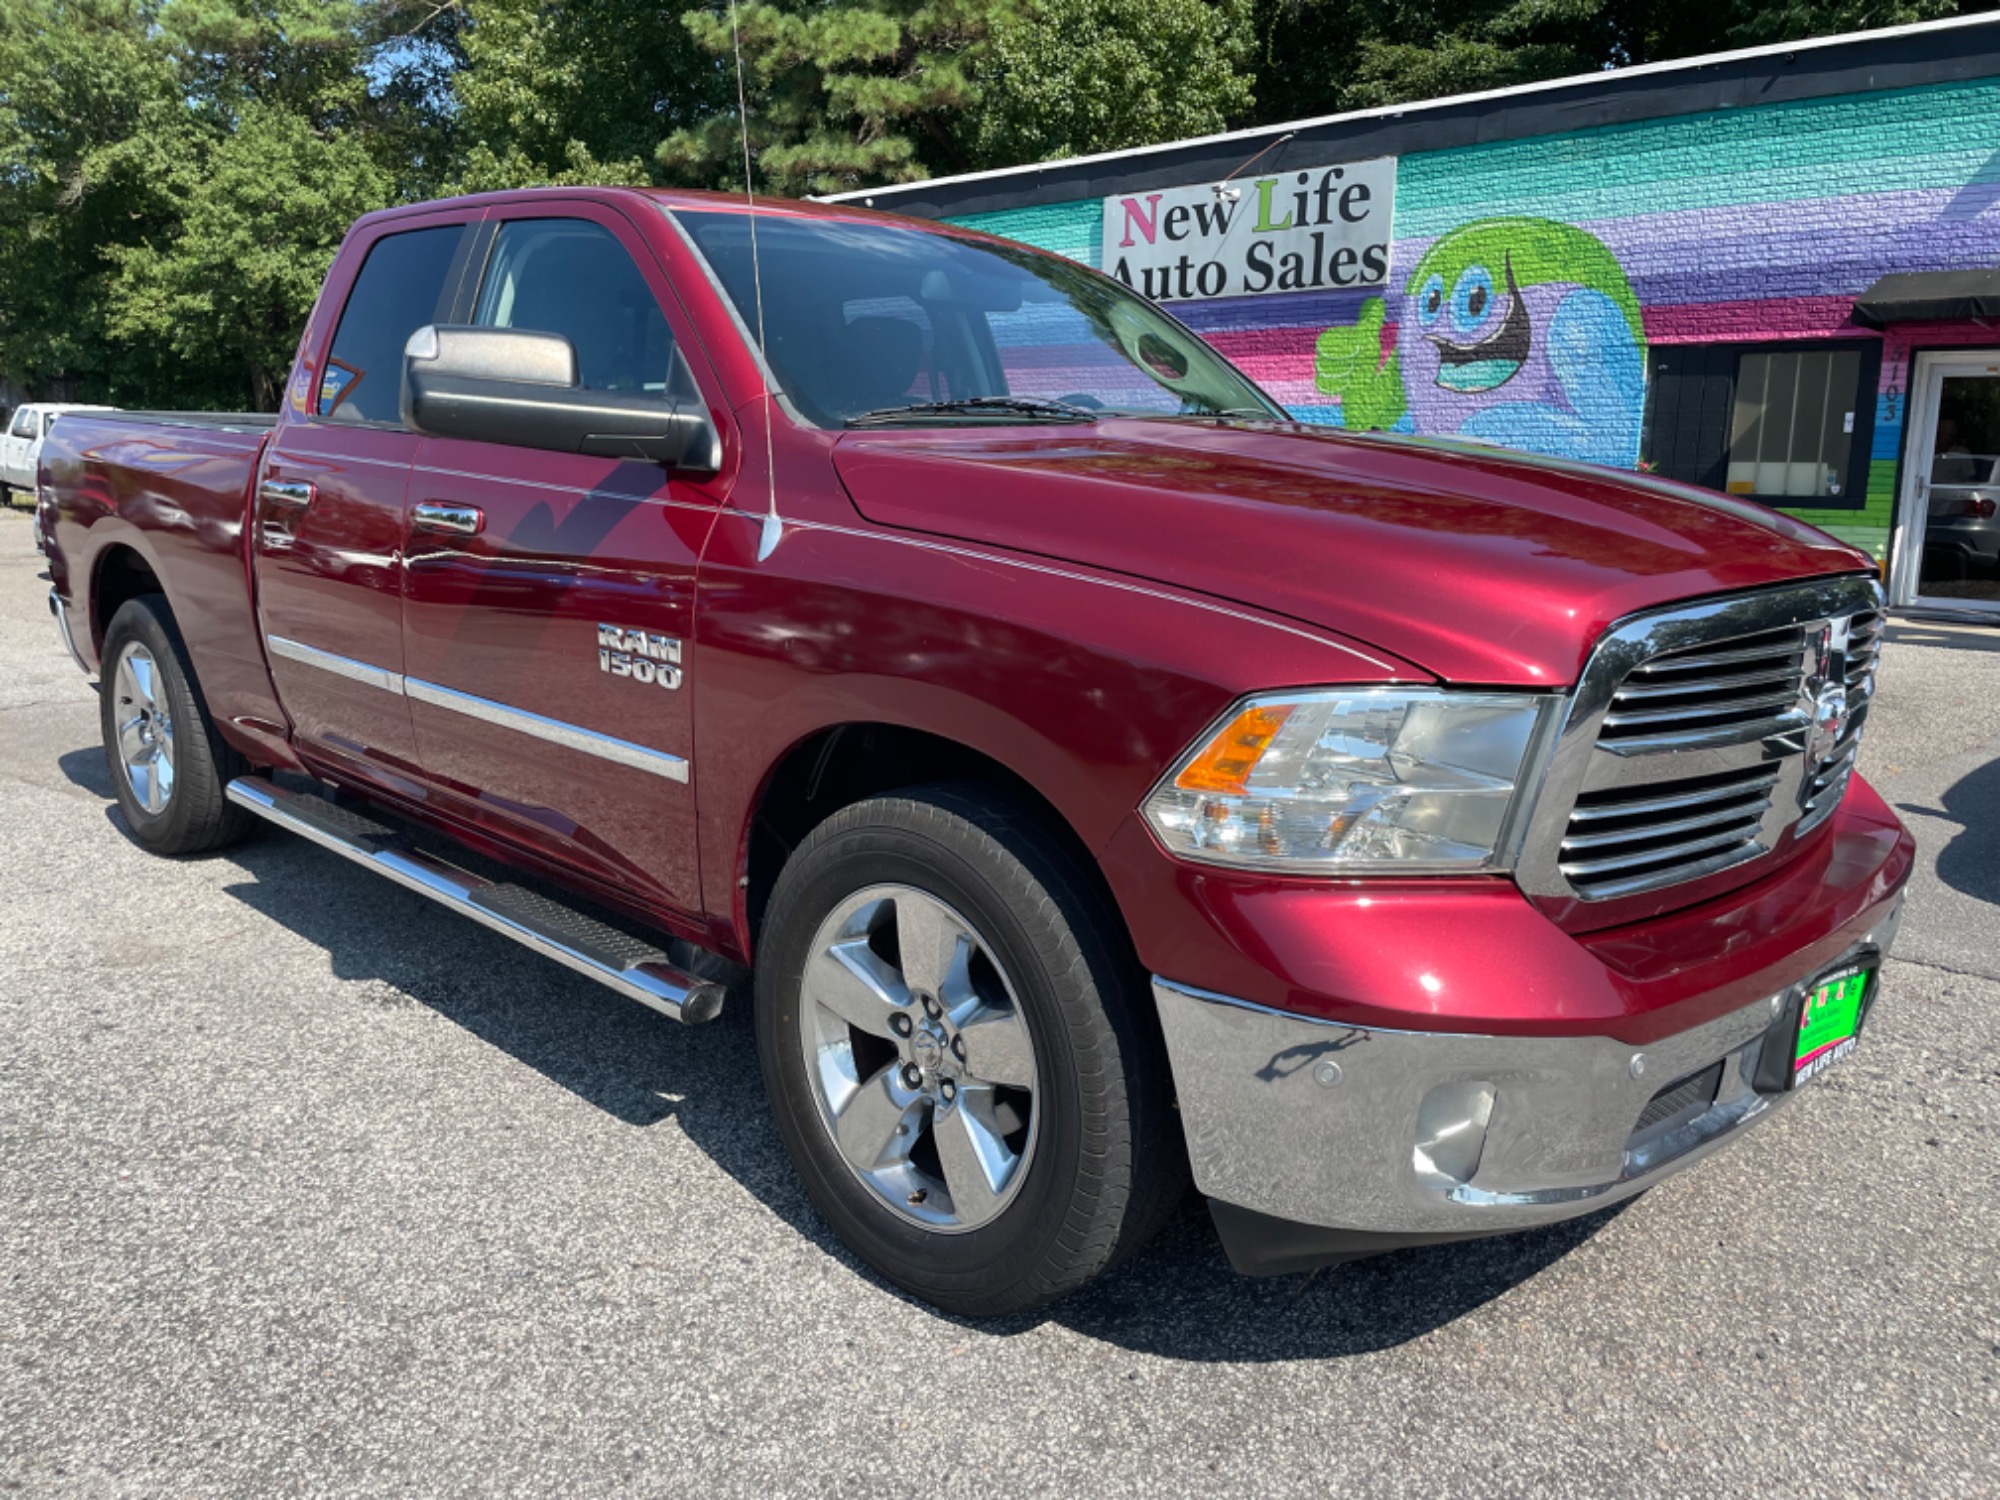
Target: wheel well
x,y
122,574
851,762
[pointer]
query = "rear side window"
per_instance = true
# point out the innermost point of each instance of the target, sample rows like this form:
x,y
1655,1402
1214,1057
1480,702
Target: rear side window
x,y
573,277
398,291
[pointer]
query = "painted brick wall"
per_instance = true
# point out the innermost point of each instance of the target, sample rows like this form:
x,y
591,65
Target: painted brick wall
x,y
1735,226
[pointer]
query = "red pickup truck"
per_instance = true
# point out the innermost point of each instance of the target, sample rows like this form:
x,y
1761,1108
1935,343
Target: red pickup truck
x,y
1104,777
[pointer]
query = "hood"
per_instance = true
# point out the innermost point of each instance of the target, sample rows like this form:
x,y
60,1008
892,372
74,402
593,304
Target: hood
x,y
1477,565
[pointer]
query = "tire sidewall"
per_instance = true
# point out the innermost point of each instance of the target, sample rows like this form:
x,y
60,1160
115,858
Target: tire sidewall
x,y
137,622
852,858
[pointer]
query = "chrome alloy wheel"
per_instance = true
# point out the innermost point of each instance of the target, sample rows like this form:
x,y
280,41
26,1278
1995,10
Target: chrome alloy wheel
x,y
920,1058
145,727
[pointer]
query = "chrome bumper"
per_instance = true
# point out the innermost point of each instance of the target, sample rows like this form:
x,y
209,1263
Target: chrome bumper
x,y
1426,1133
62,629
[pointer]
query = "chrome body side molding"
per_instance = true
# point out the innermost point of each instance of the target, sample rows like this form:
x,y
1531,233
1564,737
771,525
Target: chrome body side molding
x,y
502,715
339,666
569,736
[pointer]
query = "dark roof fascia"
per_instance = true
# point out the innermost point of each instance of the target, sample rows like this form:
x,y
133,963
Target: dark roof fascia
x,y
1929,297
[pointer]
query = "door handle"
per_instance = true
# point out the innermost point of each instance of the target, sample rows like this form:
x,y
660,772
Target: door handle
x,y
452,520
286,494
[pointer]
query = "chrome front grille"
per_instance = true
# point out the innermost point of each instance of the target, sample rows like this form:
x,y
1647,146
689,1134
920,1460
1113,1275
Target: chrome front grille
x,y
1700,738
1626,839
1745,688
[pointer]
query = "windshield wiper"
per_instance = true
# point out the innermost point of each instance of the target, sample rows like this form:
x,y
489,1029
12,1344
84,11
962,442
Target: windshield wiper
x,y
999,406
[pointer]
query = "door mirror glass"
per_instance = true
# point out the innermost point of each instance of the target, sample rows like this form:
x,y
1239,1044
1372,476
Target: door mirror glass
x,y
514,386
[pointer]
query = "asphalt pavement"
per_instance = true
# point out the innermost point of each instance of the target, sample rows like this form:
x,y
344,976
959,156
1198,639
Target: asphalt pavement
x,y
308,1187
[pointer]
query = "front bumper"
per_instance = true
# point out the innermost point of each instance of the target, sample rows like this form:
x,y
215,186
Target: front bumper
x,y
1318,1139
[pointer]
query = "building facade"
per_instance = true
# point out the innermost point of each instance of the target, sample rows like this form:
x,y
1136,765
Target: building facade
x,y
1765,273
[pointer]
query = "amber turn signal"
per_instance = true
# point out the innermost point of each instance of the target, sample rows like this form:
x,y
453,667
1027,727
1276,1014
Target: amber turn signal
x,y
1225,762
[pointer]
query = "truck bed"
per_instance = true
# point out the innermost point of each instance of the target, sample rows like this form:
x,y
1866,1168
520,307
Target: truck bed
x,y
166,494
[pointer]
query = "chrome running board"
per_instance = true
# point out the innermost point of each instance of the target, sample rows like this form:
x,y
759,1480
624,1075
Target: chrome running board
x,y
614,959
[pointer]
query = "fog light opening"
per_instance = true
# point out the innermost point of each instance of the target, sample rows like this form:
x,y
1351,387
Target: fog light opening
x,y
1451,1132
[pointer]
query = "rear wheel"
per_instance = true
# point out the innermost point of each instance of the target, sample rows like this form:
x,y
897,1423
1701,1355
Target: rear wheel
x,y
168,765
956,1053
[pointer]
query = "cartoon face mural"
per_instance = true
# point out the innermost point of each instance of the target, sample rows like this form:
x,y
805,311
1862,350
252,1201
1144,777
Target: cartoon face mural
x,y
1522,332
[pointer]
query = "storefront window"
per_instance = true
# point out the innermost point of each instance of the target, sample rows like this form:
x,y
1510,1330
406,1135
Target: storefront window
x,y
1793,425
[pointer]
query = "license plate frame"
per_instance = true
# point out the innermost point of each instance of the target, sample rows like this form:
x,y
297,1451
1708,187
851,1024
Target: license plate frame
x,y
1823,1023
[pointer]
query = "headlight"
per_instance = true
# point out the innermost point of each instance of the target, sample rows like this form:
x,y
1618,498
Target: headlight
x,y
1334,781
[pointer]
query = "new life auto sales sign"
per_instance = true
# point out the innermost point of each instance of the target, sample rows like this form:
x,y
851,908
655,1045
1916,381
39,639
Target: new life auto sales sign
x,y
1290,231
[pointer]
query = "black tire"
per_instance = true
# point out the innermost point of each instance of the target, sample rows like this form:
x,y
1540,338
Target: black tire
x,y
195,817
1108,1165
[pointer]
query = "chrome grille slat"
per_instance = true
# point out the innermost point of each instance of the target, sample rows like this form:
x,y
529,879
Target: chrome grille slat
x,y
1627,839
1619,717
1716,693
1740,732
1720,817
1710,659
1744,833
1788,676
1594,812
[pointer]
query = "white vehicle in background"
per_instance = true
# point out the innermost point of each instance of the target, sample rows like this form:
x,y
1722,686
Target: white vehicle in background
x,y
21,448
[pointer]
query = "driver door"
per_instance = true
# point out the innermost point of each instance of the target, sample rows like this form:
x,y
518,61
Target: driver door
x,y
548,598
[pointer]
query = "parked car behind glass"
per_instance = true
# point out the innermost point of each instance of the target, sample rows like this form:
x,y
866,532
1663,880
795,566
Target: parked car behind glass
x,y
1964,526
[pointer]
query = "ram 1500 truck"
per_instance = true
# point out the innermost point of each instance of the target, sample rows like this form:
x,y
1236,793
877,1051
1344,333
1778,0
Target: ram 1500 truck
x,y
1103,777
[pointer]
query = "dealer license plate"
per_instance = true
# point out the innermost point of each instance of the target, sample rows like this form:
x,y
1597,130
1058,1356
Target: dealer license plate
x,y
1829,1017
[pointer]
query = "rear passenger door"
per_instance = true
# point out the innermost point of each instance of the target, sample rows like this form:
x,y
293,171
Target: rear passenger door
x,y
548,597
329,520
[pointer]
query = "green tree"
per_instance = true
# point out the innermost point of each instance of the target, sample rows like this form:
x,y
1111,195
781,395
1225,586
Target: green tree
x,y
1069,77
580,92
175,177
840,95
261,212
84,96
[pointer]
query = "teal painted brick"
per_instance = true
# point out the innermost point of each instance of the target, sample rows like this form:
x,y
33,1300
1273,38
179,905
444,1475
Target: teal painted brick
x,y
1072,229
1939,136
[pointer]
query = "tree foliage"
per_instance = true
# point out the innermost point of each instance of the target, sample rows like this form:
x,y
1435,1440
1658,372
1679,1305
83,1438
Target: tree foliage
x,y
582,92
1069,77
175,175
839,95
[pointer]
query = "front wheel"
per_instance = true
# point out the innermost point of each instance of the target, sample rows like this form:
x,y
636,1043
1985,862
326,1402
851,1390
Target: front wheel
x,y
957,1054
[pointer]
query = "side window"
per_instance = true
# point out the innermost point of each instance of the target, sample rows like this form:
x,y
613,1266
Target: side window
x,y
397,292
24,423
572,277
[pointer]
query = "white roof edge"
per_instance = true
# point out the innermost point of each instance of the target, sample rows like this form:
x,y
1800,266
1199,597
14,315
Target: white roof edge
x,y
1415,106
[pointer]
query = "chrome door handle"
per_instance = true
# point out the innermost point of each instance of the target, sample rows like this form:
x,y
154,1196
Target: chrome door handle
x,y
453,520
286,494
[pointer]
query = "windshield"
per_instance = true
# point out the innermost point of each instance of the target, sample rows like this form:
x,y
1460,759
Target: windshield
x,y
877,324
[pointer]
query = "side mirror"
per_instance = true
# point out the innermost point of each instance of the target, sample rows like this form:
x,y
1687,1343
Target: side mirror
x,y
507,385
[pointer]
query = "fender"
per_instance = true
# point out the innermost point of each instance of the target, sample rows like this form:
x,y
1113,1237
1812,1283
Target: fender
x,y
1084,685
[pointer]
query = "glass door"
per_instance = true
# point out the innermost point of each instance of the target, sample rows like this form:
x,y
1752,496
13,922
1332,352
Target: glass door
x,y
1948,526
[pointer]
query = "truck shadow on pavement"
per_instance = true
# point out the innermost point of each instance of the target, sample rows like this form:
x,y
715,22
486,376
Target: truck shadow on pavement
x,y
1178,1299
1970,863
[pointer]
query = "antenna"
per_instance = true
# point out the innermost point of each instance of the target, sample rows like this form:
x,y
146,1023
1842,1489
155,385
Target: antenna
x,y
767,541
1223,189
